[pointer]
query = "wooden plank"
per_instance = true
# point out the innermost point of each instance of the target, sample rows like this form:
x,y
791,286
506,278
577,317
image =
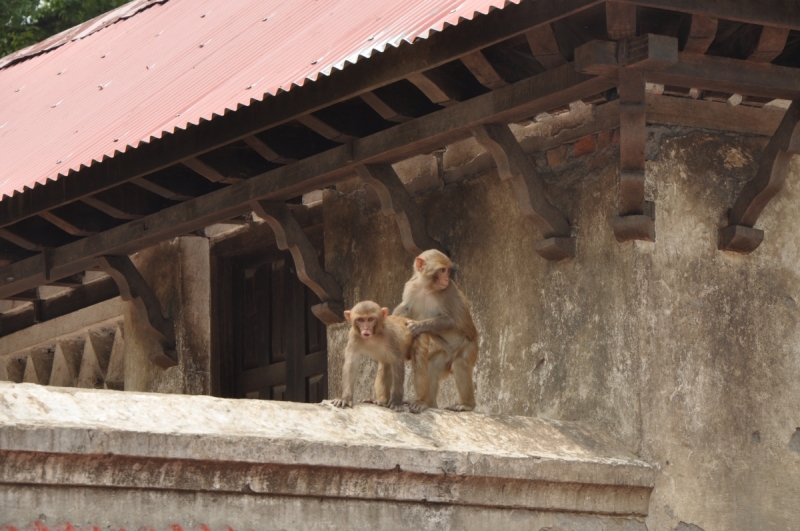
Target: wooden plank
x,y
208,172
770,179
770,45
484,72
549,90
544,47
620,20
633,137
778,13
397,202
733,76
711,115
437,87
324,129
701,34
385,108
265,151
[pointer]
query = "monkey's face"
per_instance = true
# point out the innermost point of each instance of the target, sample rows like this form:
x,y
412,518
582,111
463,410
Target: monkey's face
x,y
365,324
441,278
366,318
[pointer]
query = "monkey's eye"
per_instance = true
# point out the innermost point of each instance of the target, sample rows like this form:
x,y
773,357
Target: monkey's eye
x,y
442,270
370,319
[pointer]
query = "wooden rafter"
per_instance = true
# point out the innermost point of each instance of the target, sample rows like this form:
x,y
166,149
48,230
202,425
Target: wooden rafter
x,y
515,167
324,129
771,43
547,91
290,236
20,241
265,151
701,34
740,234
544,47
397,202
135,289
438,87
385,108
208,172
620,20
483,70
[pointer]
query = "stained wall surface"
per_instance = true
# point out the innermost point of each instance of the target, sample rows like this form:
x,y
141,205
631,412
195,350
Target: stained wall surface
x,y
689,355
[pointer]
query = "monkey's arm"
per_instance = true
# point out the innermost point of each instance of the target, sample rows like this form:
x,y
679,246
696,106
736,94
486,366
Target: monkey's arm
x,y
401,310
436,324
348,377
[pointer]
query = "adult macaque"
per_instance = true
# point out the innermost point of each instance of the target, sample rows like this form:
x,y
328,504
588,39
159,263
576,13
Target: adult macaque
x,y
384,338
438,307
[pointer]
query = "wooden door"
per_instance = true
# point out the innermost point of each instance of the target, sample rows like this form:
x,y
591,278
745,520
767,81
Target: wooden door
x,y
280,348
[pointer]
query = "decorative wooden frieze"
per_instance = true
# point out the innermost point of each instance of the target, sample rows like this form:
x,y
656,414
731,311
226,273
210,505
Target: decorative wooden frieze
x,y
397,202
289,235
740,236
134,288
515,167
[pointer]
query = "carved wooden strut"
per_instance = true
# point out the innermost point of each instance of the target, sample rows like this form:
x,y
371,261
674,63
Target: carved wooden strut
x,y
739,235
134,288
289,235
396,201
514,166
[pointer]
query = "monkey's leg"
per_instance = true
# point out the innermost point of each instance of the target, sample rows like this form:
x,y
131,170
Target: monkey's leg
x,y
419,366
347,381
462,372
398,373
383,383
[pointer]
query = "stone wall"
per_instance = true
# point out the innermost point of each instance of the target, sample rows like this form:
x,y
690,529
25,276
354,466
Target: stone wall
x,y
689,355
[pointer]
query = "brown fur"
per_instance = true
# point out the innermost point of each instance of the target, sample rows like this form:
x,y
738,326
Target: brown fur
x,y
438,307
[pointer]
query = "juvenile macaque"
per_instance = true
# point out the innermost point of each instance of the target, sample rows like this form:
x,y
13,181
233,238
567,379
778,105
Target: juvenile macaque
x,y
384,338
438,307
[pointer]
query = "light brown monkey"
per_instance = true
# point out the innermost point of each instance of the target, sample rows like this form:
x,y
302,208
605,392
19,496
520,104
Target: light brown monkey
x,y
384,338
438,307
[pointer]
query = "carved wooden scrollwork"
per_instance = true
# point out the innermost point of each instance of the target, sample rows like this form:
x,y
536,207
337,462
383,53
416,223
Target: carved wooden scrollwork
x,y
289,235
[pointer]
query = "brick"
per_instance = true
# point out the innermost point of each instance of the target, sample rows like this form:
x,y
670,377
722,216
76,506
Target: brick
x,y
605,139
584,146
557,155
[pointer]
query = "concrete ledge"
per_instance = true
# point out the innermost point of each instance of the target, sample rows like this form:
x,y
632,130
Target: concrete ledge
x,y
58,445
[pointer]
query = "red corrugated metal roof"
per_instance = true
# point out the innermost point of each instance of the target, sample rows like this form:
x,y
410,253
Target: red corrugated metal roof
x,y
153,66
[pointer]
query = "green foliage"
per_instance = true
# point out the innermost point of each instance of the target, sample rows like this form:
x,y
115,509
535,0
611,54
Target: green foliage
x,y
26,22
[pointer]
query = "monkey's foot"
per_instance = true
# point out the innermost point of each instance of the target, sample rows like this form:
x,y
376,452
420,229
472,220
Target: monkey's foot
x,y
395,406
340,402
460,407
416,406
373,401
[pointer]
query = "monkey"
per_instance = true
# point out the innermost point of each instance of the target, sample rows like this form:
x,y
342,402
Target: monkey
x,y
387,340
433,304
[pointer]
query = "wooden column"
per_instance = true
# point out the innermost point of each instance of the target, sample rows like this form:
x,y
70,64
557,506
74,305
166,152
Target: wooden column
x,y
740,235
289,235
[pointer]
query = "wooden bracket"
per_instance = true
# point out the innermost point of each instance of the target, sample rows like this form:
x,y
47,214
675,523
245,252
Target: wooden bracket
x,y
396,201
134,288
289,235
740,236
515,167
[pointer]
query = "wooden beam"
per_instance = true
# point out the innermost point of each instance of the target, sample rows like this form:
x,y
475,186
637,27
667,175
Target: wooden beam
x,y
397,202
265,151
484,72
515,167
774,167
158,189
770,45
289,235
20,241
385,108
437,87
324,129
135,289
208,172
701,34
29,295
544,47
126,201
778,13
78,219
620,20
531,96
732,76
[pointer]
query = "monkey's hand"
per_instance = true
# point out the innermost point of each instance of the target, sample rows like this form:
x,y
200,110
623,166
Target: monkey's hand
x,y
341,402
395,405
415,327
416,406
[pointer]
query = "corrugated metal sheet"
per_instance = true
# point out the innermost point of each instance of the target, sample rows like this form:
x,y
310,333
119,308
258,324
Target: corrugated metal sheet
x,y
106,88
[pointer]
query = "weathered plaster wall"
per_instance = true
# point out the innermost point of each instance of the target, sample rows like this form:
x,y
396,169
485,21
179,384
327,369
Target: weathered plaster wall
x,y
688,354
178,271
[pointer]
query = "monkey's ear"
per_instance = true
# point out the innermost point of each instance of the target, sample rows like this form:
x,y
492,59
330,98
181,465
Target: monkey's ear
x,y
347,315
385,312
419,263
